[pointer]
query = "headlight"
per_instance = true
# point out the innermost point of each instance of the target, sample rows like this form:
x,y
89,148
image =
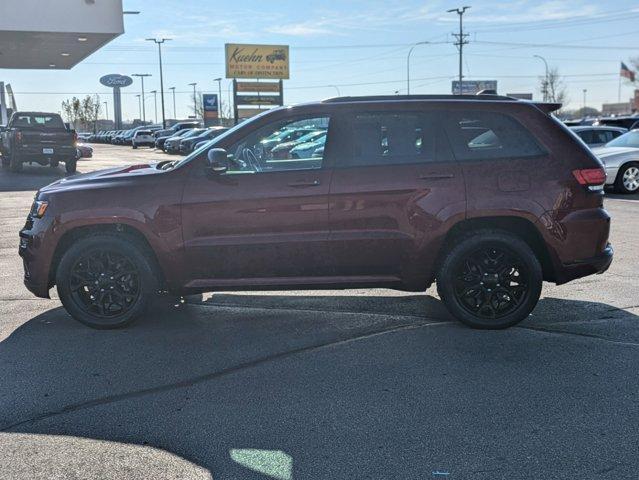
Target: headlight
x,y
38,208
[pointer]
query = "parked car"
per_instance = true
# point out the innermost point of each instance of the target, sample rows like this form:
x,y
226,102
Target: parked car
x,y
403,196
159,141
172,145
37,137
84,151
283,150
627,122
597,136
143,138
307,149
621,159
169,132
187,145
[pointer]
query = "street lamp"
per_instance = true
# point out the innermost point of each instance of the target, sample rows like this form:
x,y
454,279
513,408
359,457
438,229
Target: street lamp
x,y
174,110
194,99
219,99
140,104
142,75
545,89
339,94
159,42
408,65
584,107
155,100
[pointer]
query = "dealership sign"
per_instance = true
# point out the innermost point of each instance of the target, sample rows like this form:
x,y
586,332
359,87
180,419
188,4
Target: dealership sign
x,y
257,61
116,80
472,87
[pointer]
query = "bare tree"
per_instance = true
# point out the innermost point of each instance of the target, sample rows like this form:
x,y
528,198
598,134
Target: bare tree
x,y
197,105
555,87
72,110
82,113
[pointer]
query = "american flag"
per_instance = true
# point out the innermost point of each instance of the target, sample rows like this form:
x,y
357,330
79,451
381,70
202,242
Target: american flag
x,y
626,72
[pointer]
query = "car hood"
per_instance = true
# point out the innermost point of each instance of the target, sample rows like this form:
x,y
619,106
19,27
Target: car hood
x,y
102,178
612,152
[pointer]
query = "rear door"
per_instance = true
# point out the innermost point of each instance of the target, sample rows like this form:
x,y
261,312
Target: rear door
x,y
395,189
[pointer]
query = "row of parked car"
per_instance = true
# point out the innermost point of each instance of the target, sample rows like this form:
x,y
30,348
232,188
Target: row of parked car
x,y
616,146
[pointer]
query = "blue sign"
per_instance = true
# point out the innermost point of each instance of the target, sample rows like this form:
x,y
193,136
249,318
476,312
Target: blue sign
x,y
116,80
210,102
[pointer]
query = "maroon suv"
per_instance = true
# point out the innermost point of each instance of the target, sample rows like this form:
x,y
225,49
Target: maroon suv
x,y
486,195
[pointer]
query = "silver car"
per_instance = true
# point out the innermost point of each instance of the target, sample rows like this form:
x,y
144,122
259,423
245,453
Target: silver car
x,y
621,160
596,136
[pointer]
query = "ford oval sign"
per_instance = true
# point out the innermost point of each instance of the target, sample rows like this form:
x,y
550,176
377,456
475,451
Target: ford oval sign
x,y
116,80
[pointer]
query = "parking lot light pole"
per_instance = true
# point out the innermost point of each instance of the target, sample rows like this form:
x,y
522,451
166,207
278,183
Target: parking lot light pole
x,y
142,75
219,99
544,90
159,42
408,65
174,109
140,104
155,100
106,109
194,99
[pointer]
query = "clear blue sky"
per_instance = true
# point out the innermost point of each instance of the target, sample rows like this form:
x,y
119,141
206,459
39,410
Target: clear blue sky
x,y
358,46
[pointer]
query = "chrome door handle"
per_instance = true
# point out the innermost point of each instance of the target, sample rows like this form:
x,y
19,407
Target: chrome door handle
x,y
436,176
311,183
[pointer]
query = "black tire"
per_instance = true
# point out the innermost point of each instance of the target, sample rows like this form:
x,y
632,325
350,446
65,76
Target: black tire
x,y
627,180
71,165
15,162
134,147
119,264
5,161
490,279
54,163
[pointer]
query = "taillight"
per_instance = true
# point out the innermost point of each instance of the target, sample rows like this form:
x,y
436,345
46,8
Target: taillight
x,y
593,178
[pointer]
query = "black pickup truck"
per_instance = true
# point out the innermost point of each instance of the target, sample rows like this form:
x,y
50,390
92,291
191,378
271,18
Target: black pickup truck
x,y
36,137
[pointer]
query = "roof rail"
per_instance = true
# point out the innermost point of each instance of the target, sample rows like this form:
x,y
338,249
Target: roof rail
x,y
379,98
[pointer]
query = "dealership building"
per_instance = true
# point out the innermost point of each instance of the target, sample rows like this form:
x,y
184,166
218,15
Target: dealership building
x,y
54,34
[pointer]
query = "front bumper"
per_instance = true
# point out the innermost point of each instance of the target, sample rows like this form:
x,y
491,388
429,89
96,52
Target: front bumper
x,y
35,249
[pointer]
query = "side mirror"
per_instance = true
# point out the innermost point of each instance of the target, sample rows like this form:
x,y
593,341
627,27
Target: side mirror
x,y
218,161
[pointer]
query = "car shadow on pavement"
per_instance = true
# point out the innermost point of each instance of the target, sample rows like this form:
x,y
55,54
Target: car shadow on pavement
x,y
268,371
32,177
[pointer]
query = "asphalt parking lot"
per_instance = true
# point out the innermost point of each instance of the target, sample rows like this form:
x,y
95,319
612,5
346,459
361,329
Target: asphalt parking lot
x,y
363,384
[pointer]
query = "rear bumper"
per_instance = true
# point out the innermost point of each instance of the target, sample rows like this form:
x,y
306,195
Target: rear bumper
x,y
588,266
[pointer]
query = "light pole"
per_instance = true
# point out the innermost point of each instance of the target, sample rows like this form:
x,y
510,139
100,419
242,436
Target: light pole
x,y
140,104
584,107
155,100
461,41
174,110
408,65
142,75
194,99
106,109
159,42
545,89
339,94
219,98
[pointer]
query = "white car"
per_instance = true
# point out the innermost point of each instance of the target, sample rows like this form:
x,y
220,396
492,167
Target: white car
x,y
621,160
143,138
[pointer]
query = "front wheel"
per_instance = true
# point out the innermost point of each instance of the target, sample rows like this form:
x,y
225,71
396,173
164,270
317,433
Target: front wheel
x,y
490,280
106,281
627,180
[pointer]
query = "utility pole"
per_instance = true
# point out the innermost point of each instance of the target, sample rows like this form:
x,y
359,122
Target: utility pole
x,y
159,42
584,107
142,75
408,65
155,100
140,104
219,98
194,99
174,110
461,41
544,90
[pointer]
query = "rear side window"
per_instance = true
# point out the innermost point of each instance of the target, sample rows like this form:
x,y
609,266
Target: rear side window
x,y
390,139
39,121
489,135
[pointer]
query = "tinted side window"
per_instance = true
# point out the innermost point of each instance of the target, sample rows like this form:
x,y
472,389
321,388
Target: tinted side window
x,y
489,135
390,139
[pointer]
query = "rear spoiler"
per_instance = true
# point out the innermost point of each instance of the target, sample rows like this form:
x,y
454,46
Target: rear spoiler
x,y
547,108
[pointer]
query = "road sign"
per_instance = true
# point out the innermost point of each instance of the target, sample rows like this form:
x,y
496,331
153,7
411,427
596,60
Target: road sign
x,y
257,99
272,87
472,87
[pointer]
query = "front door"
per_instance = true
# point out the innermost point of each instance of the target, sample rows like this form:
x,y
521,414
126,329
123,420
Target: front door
x,y
264,219
395,189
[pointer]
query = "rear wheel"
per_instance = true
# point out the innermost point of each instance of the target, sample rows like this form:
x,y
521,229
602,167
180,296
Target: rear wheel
x,y
106,281
490,280
627,180
5,161
70,165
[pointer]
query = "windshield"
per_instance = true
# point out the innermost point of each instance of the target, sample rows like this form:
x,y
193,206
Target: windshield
x,y
629,139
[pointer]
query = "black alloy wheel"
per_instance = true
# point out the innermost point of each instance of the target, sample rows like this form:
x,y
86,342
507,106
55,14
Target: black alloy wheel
x,y
490,279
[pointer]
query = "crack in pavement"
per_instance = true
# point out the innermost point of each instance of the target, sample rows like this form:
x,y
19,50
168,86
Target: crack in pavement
x,y
213,375
553,331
